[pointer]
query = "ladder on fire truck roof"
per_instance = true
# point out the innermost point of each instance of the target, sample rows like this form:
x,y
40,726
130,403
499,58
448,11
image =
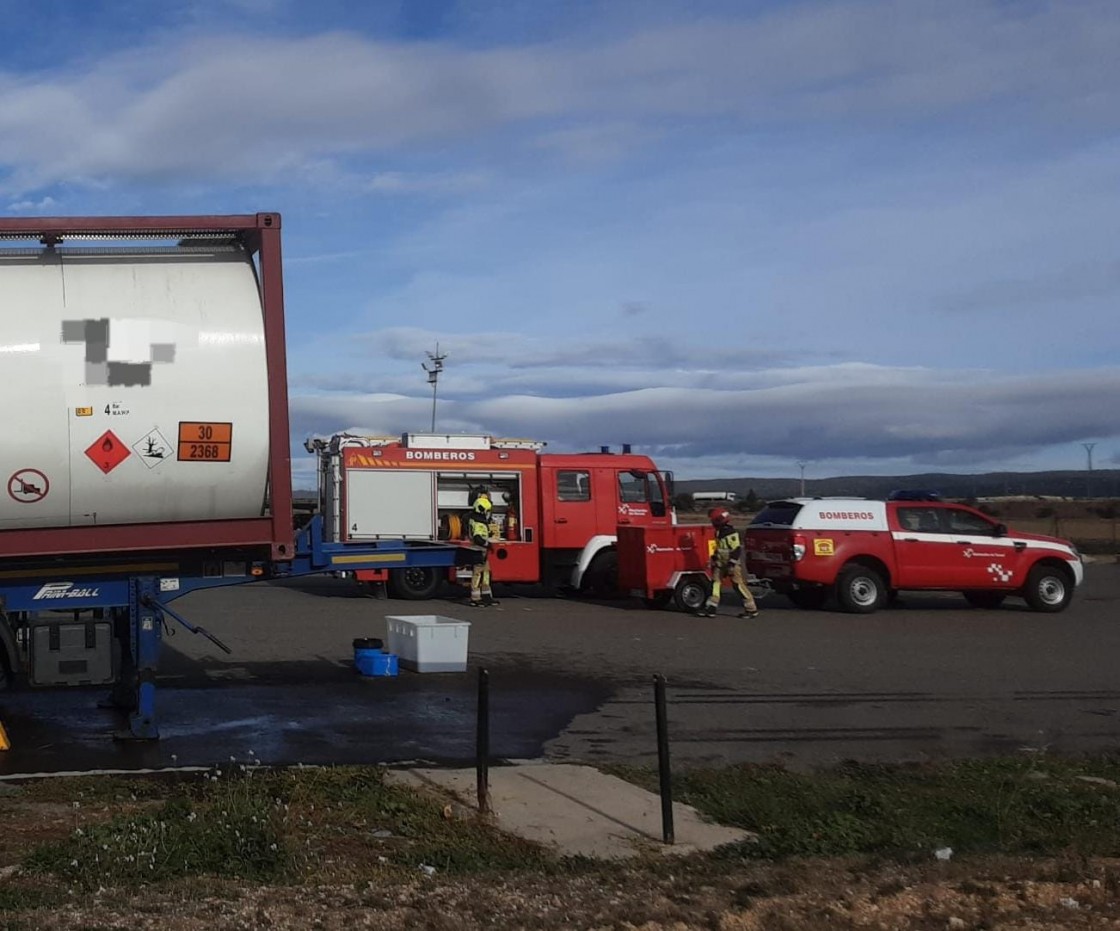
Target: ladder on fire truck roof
x,y
448,441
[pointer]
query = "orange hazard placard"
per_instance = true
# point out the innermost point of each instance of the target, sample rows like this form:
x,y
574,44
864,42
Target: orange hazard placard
x,y
203,441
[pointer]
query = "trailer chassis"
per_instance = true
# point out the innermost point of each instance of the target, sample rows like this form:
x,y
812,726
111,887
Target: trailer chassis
x,y
136,603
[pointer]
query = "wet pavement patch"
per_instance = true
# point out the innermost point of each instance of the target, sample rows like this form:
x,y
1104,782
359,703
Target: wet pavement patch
x,y
354,720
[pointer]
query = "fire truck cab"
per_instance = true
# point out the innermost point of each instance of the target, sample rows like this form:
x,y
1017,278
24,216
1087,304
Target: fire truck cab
x,y
555,515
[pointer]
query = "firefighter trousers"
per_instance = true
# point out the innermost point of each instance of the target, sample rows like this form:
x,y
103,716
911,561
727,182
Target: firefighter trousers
x,y
480,581
735,573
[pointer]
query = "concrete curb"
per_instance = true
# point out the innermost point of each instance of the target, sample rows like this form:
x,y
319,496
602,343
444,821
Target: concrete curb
x,y
575,810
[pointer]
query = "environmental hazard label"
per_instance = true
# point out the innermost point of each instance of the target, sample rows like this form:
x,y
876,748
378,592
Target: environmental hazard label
x,y
152,448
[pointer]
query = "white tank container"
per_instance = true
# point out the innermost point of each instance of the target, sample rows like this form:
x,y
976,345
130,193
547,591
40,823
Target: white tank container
x,y
136,387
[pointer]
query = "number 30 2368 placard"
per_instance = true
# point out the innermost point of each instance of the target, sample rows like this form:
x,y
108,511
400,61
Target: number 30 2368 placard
x,y
205,441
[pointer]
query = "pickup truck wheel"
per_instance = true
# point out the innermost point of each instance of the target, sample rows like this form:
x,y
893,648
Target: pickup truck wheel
x,y
988,600
859,590
1048,589
691,593
809,599
417,583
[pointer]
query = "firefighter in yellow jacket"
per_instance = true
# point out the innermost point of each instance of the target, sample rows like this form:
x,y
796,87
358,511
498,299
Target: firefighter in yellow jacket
x,y
478,530
727,561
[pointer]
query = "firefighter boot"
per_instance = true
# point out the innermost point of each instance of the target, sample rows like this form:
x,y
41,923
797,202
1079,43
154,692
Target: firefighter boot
x,y
708,610
488,601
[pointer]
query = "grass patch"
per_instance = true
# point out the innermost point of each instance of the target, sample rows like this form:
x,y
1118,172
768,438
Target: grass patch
x,y
253,823
93,790
235,831
18,897
1011,806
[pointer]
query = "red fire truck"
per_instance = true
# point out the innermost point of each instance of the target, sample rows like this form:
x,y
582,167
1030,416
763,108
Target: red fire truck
x,y
555,515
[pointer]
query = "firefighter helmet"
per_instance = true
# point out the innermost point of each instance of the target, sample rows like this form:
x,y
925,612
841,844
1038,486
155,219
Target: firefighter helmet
x,y
482,503
718,516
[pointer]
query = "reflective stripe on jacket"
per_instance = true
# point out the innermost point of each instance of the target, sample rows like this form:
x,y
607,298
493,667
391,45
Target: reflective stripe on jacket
x,y
478,530
728,545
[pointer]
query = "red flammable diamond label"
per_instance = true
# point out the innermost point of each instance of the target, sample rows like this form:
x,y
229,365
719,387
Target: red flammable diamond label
x,y
107,451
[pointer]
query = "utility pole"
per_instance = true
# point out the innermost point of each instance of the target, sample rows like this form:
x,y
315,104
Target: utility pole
x,y
801,464
433,377
1089,476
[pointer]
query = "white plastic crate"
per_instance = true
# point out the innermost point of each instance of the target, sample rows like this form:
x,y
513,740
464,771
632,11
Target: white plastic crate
x,y
428,642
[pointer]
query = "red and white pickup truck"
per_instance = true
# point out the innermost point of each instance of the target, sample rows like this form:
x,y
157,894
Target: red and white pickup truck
x,y
863,552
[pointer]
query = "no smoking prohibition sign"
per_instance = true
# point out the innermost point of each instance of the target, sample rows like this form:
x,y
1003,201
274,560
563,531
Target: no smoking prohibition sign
x,y
28,486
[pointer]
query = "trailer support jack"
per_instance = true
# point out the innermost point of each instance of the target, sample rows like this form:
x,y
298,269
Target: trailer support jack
x,y
145,627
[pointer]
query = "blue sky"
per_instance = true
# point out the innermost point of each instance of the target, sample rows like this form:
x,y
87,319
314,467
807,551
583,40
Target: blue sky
x,y
873,235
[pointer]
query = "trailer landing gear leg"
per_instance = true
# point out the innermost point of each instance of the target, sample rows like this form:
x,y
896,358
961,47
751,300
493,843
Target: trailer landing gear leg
x,y
146,637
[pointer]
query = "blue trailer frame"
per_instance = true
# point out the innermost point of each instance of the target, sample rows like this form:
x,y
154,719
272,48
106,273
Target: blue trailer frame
x,y
142,601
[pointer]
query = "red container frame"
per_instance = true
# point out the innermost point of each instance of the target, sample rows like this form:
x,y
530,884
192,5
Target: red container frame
x,y
271,535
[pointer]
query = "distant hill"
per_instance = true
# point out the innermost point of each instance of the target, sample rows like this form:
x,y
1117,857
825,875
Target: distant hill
x,y
1101,483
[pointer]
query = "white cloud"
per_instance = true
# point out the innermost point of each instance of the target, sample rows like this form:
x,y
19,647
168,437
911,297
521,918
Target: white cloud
x,y
397,182
854,413
215,107
32,206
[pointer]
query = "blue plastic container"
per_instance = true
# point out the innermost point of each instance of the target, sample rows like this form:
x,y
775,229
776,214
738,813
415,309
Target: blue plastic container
x,y
375,662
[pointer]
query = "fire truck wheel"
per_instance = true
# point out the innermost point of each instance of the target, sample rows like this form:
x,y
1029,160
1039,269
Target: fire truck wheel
x,y
1049,589
691,593
859,589
808,599
414,584
601,578
987,600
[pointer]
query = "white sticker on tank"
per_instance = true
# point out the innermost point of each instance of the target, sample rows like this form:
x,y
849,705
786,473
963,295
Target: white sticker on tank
x,y
153,448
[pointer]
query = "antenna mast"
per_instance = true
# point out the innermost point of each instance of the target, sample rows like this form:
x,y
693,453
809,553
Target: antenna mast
x,y
433,377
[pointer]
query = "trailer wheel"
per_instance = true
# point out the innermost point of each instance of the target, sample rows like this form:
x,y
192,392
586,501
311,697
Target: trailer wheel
x,y
691,593
860,590
415,583
1049,588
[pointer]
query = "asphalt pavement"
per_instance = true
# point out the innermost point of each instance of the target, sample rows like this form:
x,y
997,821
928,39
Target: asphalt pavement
x,y
571,681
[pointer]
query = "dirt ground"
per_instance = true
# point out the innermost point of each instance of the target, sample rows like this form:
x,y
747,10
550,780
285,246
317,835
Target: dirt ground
x,y
803,896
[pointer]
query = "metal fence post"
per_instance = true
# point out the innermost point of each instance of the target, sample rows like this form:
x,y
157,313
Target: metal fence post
x,y
482,742
667,834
